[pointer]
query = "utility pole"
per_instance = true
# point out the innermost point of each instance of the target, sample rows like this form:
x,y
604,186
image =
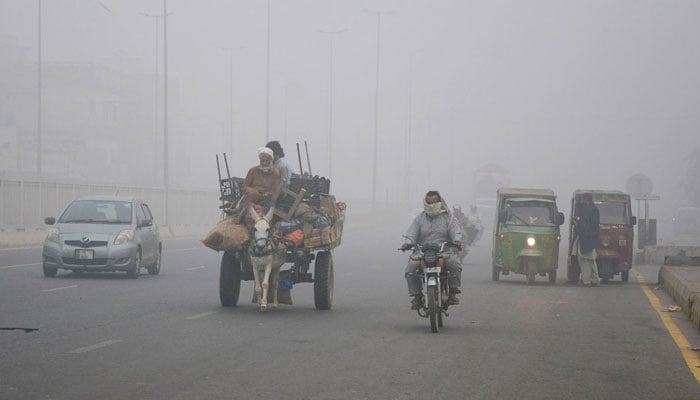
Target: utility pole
x,y
165,116
267,96
39,97
330,99
156,123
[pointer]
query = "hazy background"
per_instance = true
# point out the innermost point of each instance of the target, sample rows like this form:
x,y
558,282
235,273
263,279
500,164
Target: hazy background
x,y
562,94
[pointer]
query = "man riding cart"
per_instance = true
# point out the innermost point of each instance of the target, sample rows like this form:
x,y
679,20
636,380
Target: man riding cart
x,y
303,219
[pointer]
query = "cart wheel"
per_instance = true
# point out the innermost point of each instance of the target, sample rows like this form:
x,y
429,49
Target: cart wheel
x,y
432,308
552,275
495,272
229,280
323,280
625,275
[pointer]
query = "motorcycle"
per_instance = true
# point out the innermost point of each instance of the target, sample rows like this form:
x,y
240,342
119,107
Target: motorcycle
x,y
435,278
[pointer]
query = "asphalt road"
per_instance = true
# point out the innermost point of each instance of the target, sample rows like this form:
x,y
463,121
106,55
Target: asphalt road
x,y
167,337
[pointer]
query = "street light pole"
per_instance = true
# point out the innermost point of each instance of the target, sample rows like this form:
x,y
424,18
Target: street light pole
x,y
39,97
165,115
410,123
157,18
267,96
330,99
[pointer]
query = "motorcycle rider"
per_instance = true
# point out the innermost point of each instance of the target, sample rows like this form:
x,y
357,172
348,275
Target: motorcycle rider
x,y
434,225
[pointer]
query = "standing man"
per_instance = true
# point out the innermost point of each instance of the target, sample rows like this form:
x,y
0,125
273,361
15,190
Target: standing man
x,y
586,239
279,163
434,225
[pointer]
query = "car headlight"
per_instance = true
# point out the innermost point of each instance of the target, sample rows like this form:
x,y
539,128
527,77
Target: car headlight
x,y
124,236
530,241
52,235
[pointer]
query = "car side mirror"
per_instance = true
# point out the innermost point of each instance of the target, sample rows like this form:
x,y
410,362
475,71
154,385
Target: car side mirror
x,y
49,220
146,222
633,220
560,218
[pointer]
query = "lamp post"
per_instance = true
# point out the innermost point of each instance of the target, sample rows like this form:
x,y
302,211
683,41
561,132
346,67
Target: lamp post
x,y
267,86
166,180
409,124
157,18
331,35
39,96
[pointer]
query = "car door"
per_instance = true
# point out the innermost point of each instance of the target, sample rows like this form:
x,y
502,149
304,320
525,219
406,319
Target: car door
x,y
144,235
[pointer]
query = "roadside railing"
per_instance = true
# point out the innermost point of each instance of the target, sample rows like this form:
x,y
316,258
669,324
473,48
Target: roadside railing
x,y
25,203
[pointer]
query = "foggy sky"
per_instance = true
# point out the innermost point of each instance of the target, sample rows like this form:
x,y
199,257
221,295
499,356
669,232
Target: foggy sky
x,y
564,94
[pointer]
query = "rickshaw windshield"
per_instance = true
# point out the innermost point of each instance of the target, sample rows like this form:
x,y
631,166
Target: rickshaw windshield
x,y
612,213
531,214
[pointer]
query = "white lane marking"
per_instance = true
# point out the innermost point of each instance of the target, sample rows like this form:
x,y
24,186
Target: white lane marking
x,y
95,346
198,316
60,288
19,265
195,268
187,249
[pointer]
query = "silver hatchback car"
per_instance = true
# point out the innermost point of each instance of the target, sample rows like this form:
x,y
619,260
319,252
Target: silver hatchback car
x,y
103,233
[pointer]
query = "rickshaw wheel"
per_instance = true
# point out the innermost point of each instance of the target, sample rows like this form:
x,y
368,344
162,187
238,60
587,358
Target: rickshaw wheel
x,y
552,276
625,275
604,271
531,271
495,272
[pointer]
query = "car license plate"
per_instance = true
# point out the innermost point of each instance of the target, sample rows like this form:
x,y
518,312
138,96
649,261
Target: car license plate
x,y
82,254
431,269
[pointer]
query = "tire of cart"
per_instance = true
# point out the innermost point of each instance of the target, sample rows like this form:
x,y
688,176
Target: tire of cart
x,y
229,280
323,280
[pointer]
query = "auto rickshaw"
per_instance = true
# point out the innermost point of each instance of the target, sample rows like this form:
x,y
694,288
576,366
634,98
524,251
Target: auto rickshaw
x,y
526,233
615,248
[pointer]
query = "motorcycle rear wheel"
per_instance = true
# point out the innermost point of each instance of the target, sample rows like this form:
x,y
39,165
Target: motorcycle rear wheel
x,y
432,308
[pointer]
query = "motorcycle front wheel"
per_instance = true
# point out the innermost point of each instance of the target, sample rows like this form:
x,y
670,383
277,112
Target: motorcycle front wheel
x,y
432,308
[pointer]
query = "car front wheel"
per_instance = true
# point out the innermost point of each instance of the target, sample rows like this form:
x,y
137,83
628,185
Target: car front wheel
x,y
135,269
50,272
155,268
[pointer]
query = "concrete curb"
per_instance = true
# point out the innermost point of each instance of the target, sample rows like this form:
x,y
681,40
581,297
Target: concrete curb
x,y
682,283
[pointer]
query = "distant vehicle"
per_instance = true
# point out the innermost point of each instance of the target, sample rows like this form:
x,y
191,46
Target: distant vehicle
x,y
103,233
526,235
614,253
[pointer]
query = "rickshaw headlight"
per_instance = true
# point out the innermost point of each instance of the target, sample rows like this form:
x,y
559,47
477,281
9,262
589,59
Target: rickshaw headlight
x,y
530,241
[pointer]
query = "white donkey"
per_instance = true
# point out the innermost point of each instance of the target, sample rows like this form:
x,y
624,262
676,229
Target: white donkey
x,y
267,255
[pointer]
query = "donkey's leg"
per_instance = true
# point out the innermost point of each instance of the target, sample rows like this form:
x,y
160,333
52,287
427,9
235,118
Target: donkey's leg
x,y
274,283
256,275
265,285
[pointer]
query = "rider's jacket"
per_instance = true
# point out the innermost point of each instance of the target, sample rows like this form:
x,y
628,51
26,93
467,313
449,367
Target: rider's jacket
x,y
438,229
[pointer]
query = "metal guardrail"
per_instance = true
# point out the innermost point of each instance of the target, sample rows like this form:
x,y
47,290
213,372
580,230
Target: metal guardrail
x,y
25,203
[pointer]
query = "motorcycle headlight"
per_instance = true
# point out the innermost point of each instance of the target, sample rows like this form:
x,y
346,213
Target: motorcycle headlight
x,y
605,243
124,236
530,241
430,257
52,235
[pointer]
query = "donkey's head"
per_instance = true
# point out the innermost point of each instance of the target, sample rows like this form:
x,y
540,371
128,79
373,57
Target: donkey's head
x,y
261,229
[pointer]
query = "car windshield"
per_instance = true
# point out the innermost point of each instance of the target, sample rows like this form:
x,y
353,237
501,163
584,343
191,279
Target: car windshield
x,y
612,213
97,211
531,214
